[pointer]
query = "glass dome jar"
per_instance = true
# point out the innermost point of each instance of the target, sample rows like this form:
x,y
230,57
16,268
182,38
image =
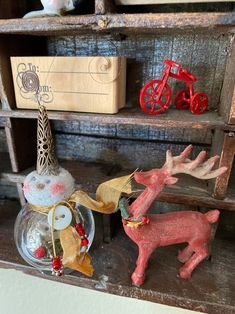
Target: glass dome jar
x,y
33,239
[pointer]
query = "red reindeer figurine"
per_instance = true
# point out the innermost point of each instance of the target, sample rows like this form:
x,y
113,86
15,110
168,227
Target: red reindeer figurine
x,y
150,232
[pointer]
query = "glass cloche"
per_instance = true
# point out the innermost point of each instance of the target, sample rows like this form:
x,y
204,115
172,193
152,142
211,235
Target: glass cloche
x,y
33,236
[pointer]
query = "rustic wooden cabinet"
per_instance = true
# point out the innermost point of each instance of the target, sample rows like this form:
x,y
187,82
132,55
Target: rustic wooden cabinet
x,y
96,147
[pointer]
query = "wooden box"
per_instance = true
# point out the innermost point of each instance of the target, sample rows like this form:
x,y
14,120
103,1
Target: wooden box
x,y
85,84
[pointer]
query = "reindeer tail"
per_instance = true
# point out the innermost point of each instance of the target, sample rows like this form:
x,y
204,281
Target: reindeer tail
x,y
212,216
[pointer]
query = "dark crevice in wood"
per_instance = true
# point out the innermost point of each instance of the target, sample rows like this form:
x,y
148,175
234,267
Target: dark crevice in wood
x,y
176,7
21,138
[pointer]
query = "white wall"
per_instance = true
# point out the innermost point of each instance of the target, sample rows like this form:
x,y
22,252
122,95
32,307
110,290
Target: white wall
x,y
24,294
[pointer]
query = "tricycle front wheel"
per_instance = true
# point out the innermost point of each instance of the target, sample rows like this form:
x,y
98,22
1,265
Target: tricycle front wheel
x,y
152,99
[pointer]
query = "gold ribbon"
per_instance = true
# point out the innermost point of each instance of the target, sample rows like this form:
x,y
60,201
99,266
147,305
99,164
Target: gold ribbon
x,y
45,209
107,197
134,224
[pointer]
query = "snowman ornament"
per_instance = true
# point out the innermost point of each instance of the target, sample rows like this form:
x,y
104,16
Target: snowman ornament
x,y
52,231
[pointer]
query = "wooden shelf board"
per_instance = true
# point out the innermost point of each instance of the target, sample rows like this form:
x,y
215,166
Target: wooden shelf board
x,y
118,22
188,190
211,288
173,118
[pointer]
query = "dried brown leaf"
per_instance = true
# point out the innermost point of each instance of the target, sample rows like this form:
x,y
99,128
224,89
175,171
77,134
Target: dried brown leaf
x,y
71,244
82,264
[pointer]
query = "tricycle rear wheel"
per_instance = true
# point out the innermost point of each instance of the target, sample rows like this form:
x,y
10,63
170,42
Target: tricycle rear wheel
x,y
182,99
199,103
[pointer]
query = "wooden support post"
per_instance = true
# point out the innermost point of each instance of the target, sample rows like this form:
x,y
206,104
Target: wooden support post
x,y
227,99
6,83
227,157
104,7
21,194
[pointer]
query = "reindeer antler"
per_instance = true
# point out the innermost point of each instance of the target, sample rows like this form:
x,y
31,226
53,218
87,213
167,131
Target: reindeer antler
x,y
196,168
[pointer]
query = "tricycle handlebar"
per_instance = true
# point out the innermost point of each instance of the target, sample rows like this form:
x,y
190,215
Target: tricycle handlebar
x,y
172,63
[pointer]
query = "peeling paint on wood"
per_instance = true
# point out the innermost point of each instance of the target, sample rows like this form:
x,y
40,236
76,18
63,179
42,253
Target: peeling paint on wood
x,y
129,154
133,132
2,120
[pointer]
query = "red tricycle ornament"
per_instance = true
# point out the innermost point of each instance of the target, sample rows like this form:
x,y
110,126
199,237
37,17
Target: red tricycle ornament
x,y
156,95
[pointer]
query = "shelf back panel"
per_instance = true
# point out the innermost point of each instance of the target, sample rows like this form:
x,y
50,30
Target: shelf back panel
x,y
204,55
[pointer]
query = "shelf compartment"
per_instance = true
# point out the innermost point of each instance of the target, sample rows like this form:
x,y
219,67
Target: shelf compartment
x,y
71,25
18,8
210,289
88,176
145,55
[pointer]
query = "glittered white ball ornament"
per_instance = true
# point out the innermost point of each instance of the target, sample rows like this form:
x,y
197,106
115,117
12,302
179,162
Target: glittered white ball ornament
x,y
46,190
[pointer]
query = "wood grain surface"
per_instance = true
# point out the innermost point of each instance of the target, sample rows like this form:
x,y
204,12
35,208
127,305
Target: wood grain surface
x,y
125,23
84,84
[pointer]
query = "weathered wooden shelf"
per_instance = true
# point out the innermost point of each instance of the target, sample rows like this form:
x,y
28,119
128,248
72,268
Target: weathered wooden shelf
x,y
71,25
210,290
88,176
173,118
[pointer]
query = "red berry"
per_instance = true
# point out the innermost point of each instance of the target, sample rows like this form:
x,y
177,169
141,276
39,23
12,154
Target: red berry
x,y
79,226
82,233
56,263
84,242
80,229
145,220
40,252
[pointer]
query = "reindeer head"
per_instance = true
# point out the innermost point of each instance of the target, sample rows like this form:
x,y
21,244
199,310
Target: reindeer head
x,y
156,179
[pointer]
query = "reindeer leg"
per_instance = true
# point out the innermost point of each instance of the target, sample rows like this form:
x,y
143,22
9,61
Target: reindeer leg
x,y
138,275
191,264
185,254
